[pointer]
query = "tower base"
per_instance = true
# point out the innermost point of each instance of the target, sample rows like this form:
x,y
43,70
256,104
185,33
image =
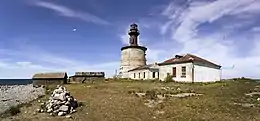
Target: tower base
x,y
131,57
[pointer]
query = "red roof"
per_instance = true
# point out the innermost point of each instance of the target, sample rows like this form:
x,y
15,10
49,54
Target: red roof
x,y
187,58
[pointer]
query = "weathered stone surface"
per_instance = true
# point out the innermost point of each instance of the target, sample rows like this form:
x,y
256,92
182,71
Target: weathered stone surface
x,y
68,116
253,93
60,103
64,108
140,94
181,95
61,113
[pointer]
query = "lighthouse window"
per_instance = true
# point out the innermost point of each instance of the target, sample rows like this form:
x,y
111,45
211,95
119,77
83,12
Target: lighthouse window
x,y
134,75
139,75
144,75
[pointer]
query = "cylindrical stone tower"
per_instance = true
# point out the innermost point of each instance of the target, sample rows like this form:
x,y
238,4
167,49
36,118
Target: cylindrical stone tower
x,y
133,55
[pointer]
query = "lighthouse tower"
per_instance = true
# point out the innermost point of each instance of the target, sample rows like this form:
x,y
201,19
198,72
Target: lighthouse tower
x,y
132,55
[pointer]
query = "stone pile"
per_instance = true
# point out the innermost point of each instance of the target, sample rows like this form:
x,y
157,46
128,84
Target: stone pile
x,y
60,103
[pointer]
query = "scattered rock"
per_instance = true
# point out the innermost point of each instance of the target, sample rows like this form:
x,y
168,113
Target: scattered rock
x,y
160,112
247,105
152,103
61,113
161,97
182,95
140,94
178,89
68,116
252,94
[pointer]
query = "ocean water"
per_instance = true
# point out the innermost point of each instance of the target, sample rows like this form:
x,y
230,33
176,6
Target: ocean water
x,y
15,81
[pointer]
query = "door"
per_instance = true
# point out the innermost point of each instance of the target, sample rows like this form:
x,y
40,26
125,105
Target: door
x,y
174,71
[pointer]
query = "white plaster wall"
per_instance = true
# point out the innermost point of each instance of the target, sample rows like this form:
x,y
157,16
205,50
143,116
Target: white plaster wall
x,y
131,58
164,69
148,74
206,74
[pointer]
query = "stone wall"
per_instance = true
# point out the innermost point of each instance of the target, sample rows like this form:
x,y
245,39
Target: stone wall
x,y
82,79
130,59
49,81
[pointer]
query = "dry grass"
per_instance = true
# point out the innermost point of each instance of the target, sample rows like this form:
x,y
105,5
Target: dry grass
x,y
111,101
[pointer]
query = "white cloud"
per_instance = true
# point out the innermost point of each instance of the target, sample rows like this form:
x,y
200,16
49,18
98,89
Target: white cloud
x,y
46,62
191,15
252,8
68,12
256,29
153,55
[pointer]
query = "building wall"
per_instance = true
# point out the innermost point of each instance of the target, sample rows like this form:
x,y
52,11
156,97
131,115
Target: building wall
x,y
131,58
203,73
49,81
148,74
82,79
164,69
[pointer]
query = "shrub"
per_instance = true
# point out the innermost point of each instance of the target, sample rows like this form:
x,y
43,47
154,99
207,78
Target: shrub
x,y
151,94
168,78
14,110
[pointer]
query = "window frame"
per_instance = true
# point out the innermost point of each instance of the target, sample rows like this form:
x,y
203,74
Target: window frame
x,y
183,71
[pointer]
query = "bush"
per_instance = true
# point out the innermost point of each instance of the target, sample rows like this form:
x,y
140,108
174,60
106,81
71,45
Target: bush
x,y
151,94
14,110
168,78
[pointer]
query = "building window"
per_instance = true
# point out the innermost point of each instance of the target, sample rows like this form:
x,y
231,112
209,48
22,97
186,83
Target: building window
x,y
134,75
139,76
183,71
174,71
144,75
153,74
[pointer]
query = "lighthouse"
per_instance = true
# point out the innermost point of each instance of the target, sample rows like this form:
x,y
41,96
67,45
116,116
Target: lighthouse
x,y
132,55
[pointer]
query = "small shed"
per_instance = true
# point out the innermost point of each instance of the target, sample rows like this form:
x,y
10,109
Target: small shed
x,y
82,77
56,78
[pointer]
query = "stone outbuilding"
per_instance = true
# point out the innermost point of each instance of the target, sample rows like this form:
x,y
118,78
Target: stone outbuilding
x,y
56,78
82,77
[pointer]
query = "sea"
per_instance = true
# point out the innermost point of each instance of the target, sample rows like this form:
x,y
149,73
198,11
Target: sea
x,y
15,81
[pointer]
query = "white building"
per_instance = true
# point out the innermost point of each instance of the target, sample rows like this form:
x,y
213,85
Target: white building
x,y
190,68
145,72
183,68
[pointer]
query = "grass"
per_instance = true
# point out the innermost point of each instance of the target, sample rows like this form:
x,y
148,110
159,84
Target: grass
x,y
113,101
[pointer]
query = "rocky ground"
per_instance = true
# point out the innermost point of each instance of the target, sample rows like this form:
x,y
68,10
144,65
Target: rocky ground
x,y
13,95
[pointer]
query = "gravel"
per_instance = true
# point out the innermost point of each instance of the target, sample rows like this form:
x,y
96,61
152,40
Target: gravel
x,y
13,95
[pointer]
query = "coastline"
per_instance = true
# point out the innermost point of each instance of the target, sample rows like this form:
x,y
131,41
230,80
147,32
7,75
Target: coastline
x,y
14,95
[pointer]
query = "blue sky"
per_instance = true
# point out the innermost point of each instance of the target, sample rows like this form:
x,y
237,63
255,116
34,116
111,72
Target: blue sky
x,y
37,35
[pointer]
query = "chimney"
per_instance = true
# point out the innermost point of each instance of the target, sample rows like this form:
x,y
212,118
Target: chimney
x,y
178,56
